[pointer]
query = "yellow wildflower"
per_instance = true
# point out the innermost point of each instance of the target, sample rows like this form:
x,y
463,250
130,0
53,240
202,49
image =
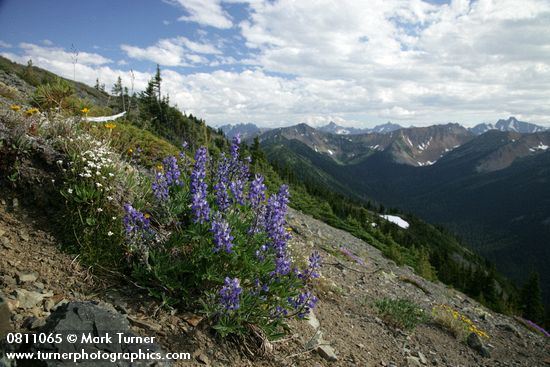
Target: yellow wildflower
x,y
15,107
147,215
85,110
130,151
110,125
31,111
160,167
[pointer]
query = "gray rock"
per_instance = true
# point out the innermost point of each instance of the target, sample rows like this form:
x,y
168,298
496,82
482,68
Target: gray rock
x,y
313,321
8,280
327,352
90,318
24,235
474,342
26,277
5,317
509,328
422,358
413,362
28,299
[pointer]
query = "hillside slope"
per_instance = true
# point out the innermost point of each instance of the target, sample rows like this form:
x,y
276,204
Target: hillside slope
x,y
489,189
347,315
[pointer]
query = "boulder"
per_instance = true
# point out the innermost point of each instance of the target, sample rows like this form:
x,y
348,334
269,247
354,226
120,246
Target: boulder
x,y
96,321
474,342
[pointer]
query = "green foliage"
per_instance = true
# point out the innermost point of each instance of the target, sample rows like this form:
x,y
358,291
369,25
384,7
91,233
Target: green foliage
x,y
8,92
190,260
127,138
432,251
156,115
91,220
401,313
423,267
53,95
532,307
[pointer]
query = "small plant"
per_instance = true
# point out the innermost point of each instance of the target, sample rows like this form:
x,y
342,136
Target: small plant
x,y
534,327
401,313
352,256
8,92
458,324
54,95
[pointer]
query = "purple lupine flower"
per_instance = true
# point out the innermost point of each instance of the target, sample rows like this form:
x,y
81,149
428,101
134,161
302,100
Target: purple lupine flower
x,y
222,235
282,265
235,142
229,294
183,156
261,252
136,224
275,220
311,271
537,327
222,198
199,205
220,188
237,189
223,168
256,194
303,303
278,312
171,171
160,187
352,256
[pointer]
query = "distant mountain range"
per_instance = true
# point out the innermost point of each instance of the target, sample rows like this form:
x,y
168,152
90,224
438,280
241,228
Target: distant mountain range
x,y
492,187
512,124
341,130
246,131
250,130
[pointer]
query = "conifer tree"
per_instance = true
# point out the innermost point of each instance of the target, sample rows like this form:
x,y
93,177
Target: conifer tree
x,y
531,299
118,90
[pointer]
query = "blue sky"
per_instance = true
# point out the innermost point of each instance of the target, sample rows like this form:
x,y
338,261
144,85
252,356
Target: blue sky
x,y
280,62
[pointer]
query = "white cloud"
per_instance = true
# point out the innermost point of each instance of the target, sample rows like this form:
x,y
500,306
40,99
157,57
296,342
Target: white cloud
x,y
350,62
4,44
205,12
410,59
178,51
36,53
47,42
88,67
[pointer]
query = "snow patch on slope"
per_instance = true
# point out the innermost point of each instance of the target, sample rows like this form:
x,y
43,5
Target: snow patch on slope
x,y
539,147
396,220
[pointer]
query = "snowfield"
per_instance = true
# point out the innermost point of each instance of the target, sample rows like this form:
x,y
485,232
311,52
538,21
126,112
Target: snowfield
x,y
397,220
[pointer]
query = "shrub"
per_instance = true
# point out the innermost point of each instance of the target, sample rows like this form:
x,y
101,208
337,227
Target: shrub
x,y
8,92
458,324
401,313
212,238
53,95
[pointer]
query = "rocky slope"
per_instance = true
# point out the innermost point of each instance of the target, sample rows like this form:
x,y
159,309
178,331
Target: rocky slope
x,y
35,278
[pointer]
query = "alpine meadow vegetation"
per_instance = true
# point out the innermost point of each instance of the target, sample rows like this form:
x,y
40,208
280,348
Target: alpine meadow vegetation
x,y
200,233
199,221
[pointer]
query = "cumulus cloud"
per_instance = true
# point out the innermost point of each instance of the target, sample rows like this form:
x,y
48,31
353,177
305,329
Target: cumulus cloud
x,y
205,12
410,58
178,51
87,68
347,61
44,53
4,44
